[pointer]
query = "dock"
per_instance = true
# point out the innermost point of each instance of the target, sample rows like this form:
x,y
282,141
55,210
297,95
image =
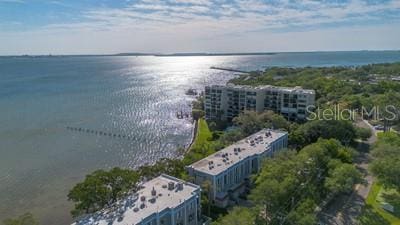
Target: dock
x,y
230,70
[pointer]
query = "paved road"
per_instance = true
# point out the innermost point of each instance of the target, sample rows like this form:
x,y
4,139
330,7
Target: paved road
x,y
345,209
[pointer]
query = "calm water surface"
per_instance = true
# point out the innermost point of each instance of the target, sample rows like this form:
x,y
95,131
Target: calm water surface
x,y
40,160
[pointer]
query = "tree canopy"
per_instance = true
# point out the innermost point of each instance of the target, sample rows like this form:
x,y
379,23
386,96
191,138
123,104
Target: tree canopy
x,y
309,132
386,165
250,122
102,188
238,216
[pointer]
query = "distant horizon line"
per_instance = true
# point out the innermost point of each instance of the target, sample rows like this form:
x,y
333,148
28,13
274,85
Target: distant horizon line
x,y
192,53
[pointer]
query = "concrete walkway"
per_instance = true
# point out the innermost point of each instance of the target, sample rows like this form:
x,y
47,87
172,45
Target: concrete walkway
x,y
345,209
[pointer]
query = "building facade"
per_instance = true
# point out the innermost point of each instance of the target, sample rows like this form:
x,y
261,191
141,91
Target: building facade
x,y
226,102
227,171
164,200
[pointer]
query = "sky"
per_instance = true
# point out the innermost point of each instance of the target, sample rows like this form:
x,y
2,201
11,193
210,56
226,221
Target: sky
x,y
176,26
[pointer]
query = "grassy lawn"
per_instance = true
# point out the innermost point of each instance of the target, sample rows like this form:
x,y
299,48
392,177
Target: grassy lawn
x,y
373,214
203,134
202,145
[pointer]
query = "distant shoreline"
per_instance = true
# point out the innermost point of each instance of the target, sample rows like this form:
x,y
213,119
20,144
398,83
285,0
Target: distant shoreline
x,y
189,54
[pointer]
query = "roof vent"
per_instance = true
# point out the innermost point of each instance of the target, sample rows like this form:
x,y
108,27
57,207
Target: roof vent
x,y
171,185
180,186
143,198
136,209
153,192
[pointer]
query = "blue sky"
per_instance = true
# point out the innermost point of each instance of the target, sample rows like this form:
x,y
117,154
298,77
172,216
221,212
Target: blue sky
x,y
112,26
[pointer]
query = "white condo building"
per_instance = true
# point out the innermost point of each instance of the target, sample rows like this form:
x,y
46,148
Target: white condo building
x,y
228,170
227,101
164,200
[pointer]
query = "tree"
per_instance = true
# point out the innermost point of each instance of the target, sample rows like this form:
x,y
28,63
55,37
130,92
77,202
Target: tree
x,y
387,170
304,214
386,165
309,132
250,122
343,178
291,184
120,181
24,219
197,114
276,185
173,167
237,216
363,133
198,103
206,196
101,188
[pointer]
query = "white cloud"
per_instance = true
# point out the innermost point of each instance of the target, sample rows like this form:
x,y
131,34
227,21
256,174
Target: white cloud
x,y
12,1
197,25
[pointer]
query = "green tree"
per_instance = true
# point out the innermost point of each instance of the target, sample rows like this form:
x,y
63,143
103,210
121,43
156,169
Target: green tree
x,y
291,184
311,131
387,170
198,103
250,122
197,114
173,167
237,216
363,133
343,178
386,165
206,196
24,219
101,188
304,214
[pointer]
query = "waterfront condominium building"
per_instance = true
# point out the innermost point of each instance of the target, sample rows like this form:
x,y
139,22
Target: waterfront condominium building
x,y
164,200
224,102
227,171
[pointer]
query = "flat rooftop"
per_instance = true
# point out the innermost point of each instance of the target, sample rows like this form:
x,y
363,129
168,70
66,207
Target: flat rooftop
x,y
255,144
154,196
296,89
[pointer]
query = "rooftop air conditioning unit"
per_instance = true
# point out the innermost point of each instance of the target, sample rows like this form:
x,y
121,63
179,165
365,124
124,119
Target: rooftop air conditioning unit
x,y
180,186
171,185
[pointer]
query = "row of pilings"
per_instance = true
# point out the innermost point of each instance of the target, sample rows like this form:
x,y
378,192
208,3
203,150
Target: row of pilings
x,y
99,132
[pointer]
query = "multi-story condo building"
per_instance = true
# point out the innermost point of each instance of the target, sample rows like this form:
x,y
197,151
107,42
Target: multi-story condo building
x,y
227,171
164,200
227,102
